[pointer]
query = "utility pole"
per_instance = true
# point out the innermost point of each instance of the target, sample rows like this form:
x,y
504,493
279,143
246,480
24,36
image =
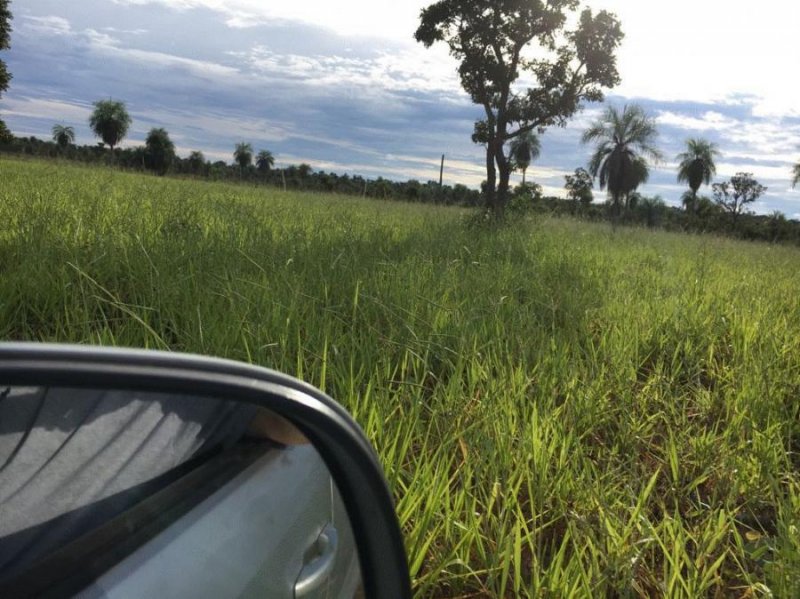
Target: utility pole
x,y
441,172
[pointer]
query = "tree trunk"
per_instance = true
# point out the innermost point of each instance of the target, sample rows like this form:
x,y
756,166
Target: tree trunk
x,y
523,175
616,209
491,180
504,169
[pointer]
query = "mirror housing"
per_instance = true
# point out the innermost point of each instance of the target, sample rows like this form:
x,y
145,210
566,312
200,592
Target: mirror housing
x,y
351,460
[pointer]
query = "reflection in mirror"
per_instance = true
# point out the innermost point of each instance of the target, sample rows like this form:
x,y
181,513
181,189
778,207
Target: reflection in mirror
x,y
116,493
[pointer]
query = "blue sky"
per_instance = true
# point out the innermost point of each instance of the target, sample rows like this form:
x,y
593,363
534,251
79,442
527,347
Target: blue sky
x,y
343,86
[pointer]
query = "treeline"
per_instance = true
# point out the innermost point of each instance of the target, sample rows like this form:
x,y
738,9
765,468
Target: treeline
x,y
653,212
706,217
299,177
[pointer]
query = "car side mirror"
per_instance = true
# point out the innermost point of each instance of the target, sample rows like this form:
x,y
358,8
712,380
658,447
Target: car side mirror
x,y
132,472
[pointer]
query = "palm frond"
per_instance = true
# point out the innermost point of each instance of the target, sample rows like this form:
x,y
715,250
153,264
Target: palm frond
x,y
626,141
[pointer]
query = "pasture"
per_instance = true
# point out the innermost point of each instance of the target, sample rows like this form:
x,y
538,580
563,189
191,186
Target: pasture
x,y
562,410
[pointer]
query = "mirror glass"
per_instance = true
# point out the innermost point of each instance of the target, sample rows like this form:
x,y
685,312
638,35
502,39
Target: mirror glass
x,y
119,493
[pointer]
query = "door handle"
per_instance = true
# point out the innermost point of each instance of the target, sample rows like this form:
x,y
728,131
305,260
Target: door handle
x,y
318,563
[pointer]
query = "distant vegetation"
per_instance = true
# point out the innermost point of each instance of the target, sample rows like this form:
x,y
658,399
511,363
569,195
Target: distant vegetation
x,y
707,216
263,172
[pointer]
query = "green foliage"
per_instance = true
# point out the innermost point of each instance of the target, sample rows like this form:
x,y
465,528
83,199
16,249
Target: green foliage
x,y
243,155
559,412
796,174
524,149
696,167
579,186
491,40
5,25
196,162
265,160
293,177
159,151
526,197
624,143
5,43
110,121
733,196
6,136
63,135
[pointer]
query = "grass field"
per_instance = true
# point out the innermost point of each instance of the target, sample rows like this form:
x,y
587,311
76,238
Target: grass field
x,y
561,410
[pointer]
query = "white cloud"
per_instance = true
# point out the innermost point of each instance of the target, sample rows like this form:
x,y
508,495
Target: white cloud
x,y
696,50
373,18
102,42
709,121
55,110
762,173
49,25
710,50
410,69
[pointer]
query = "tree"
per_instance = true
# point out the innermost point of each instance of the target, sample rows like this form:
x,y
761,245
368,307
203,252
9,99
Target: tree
x,y
732,196
305,170
63,136
624,141
579,186
196,161
524,149
796,174
265,161
110,121
651,210
243,155
696,167
5,44
496,41
159,151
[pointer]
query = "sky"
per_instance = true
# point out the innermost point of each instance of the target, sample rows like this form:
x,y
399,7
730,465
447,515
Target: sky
x,y
344,87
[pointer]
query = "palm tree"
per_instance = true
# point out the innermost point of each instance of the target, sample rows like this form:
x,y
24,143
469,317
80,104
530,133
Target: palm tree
x,y
63,136
110,121
697,166
796,174
624,142
243,155
265,160
524,150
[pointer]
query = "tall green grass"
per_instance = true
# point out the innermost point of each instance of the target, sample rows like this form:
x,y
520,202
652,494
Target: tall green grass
x,y
561,410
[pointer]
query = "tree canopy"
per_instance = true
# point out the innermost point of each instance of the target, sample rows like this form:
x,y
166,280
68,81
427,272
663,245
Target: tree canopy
x,y
110,121
265,160
524,149
734,195
5,44
625,140
159,151
579,186
63,135
497,41
796,174
696,166
243,155
196,161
